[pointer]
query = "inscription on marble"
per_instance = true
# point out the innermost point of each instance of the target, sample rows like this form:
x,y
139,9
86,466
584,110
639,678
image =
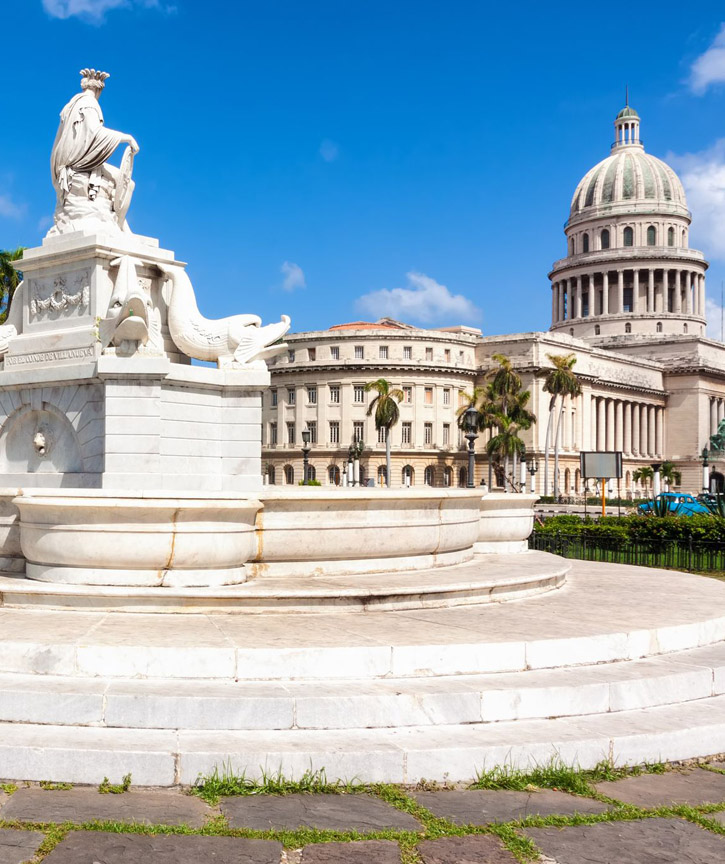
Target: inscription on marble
x,y
59,294
50,356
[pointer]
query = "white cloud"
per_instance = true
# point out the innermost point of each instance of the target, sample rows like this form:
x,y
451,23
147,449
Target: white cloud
x,y
709,68
703,176
424,300
329,150
95,10
9,209
294,276
713,313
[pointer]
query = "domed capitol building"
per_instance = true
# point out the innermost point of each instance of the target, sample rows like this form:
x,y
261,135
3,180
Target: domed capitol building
x,y
628,301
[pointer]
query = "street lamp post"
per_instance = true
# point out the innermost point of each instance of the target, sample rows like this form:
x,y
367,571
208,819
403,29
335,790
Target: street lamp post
x,y
305,454
522,472
705,470
470,423
533,468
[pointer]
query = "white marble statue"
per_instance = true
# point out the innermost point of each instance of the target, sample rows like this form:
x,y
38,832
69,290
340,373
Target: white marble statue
x,y
91,194
239,340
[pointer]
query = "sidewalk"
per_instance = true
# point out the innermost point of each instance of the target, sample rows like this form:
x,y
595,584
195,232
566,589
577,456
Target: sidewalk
x,y
676,817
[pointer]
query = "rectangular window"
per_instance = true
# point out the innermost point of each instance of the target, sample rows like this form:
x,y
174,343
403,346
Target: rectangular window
x,y
334,352
446,396
358,430
290,433
427,433
312,427
446,434
381,435
383,352
447,355
334,432
408,395
335,394
272,433
358,393
407,433
407,352
428,353
312,395
359,352
273,397
428,396
312,353
290,396
291,356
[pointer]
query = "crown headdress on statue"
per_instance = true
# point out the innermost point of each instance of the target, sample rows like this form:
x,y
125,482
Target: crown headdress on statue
x,y
93,80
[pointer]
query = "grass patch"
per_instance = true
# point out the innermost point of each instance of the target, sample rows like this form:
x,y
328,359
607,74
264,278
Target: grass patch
x,y
55,787
224,782
8,788
108,788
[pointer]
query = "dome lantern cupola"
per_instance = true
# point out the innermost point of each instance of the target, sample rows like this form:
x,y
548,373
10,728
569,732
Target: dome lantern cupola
x,y
626,126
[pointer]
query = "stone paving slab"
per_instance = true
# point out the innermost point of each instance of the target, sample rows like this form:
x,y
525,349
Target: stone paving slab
x,y
651,841
481,806
330,812
85,805
481,849
18,846
674,787
96,847
366,852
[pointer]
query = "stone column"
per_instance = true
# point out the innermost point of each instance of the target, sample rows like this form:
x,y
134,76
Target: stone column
x,y
562,285
601,424
553,302
628,428
620,292
664,291
651,291
610,424
643,432
713,415
678,292
618,425
578,309
651,443
635,291
635,430
660,432
702,295
605,293
720,410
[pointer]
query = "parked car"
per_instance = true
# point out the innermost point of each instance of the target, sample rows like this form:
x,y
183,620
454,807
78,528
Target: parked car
x,y
677,503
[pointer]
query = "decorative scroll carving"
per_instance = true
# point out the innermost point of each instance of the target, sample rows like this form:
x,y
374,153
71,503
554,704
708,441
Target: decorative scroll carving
x,y
58,295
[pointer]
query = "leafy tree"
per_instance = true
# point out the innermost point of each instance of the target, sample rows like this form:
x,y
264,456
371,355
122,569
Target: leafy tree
x,y
560,382
670,475
9,279
387,413
506,442
644,474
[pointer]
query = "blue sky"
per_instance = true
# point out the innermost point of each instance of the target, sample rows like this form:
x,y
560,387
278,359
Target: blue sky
x,y
343,160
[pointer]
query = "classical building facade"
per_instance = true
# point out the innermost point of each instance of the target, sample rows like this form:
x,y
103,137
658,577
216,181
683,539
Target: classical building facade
x,y
628,301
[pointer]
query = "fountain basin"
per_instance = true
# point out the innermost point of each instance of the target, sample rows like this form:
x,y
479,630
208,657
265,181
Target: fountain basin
x,y
507,520
99,537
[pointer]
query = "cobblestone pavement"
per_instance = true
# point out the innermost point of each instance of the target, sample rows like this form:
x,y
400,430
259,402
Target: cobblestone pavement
x,y
676,817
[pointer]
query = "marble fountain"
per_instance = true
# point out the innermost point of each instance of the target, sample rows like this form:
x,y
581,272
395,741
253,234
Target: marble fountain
x,y
162,612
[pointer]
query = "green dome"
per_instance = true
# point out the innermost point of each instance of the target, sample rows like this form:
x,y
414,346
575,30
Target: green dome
x,y
627,112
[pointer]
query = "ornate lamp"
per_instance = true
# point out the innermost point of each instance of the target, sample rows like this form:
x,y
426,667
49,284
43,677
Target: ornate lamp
x,y
470,424
305,454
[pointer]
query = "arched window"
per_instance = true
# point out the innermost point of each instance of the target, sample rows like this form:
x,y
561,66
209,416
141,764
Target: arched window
x,y
627,328
597,329
333,475
651,235
604,237
270,475
684,238
311,473
585,242
628,236
447,476
289,475
577,481
429,476
684,328
572,246
382,474
659,327
462,477
567,482
408,475
670,236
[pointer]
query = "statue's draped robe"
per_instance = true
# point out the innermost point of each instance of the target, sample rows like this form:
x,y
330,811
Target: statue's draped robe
x,y
82,143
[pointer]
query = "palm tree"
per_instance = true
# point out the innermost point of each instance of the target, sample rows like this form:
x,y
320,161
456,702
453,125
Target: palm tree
x,y
670,475
506,442
560,381
10,278
522,417
645,474
507,400
504,381
387,413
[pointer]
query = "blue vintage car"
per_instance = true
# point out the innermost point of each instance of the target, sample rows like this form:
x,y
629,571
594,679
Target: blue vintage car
x,y
677,503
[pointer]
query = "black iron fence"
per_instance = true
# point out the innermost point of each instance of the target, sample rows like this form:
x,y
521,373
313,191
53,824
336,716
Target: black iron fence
x,y
699,555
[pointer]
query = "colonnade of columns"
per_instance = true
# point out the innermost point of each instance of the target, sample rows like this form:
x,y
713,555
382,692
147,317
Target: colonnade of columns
x,y
717,412
634,428
627,289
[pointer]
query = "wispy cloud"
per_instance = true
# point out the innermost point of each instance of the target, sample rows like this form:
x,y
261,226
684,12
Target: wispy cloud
x,y
709,68
329,150
703,176
294,276
424,300
94,11
10,209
